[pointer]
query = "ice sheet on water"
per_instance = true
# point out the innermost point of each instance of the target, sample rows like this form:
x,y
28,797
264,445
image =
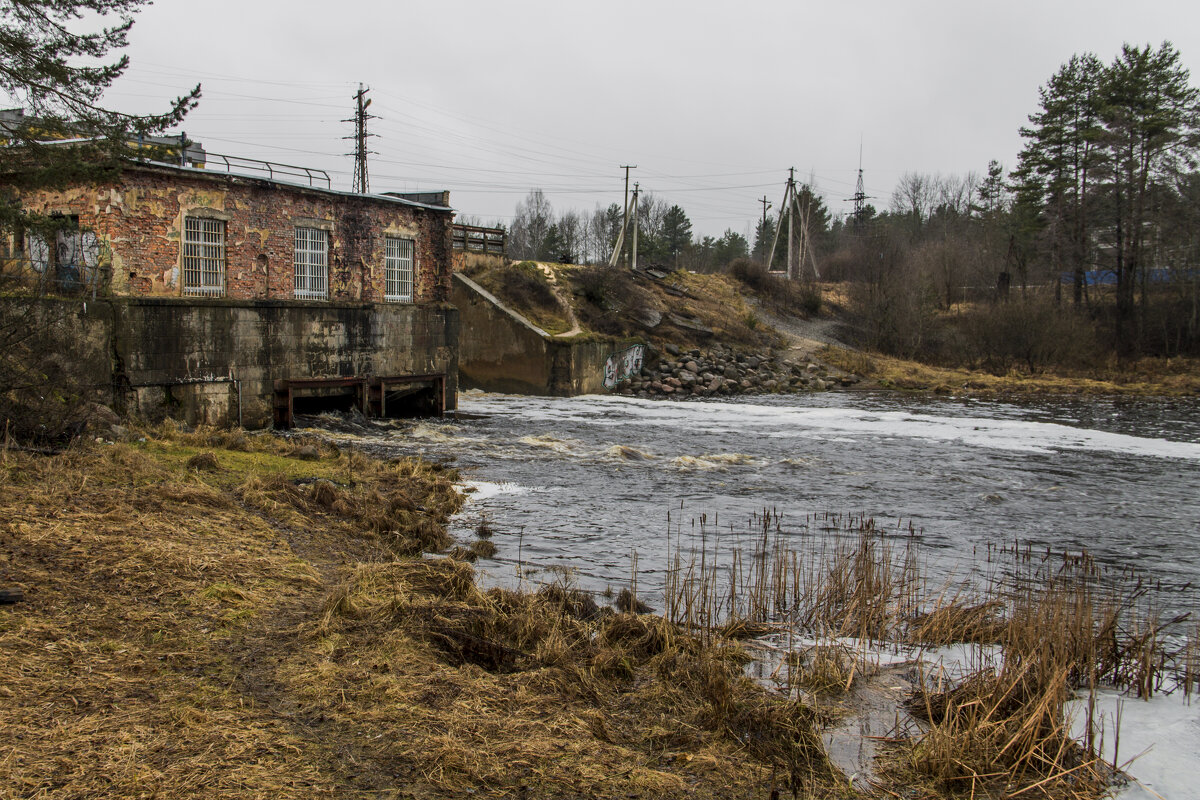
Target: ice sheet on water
x,y
1164,734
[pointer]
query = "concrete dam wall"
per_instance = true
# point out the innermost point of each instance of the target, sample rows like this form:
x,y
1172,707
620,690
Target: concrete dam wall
x,y
228,362
501,351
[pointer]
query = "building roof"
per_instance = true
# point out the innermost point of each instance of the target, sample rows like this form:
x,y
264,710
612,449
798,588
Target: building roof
x,y
210,174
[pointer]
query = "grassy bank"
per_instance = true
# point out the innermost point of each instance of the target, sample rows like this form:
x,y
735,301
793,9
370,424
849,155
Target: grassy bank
x,y
1151,377
217,614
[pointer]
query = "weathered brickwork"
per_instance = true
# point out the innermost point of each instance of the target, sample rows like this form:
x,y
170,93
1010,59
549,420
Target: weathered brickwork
x,y
154,350
140,224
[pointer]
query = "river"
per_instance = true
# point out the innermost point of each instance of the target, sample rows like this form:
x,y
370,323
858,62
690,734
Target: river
x,y
581,482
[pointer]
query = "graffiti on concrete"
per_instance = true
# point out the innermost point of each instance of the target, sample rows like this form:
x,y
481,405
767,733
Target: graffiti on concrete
x,y
624,365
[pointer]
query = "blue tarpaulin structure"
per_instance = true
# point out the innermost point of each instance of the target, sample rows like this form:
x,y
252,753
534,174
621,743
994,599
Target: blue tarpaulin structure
x,y
1106,277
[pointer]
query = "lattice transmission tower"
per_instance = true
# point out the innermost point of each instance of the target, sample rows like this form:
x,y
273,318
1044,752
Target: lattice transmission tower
x,y
361,184
860,197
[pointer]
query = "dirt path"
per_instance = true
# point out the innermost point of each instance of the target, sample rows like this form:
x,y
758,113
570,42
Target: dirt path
x,y
563,300
804,336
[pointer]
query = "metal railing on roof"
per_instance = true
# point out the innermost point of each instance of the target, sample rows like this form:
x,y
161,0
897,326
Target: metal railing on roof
x,y
273,169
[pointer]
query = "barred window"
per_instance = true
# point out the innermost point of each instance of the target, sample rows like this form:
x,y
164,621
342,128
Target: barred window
x,y
398,270
204,256
312,263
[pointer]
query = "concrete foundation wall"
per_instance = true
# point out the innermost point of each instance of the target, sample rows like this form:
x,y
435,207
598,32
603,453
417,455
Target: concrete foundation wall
x,y
501,351
216,361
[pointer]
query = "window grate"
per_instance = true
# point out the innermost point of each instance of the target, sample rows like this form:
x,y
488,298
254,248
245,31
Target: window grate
x,y
398,270
312,263
203,256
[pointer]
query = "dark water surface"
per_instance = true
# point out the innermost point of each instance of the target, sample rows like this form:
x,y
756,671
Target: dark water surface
x,y
580,482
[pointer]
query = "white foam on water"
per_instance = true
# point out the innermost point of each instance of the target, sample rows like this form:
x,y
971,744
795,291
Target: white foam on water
x,y
713,461
483,490
1023,435
432,432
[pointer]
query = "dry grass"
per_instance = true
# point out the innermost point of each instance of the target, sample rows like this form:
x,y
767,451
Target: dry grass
x,y
244,627
527,290
605,304
1178,377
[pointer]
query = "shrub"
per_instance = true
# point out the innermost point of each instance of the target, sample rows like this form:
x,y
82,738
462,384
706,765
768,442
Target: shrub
x,y
775,292
1028,334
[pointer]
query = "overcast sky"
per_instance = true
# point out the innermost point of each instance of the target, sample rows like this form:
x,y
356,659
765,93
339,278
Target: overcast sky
x,y
713,101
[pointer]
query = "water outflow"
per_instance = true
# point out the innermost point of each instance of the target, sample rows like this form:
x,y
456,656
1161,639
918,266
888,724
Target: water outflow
x,y
582,482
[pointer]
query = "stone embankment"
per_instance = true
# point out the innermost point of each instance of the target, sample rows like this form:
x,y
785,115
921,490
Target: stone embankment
x,y
722,372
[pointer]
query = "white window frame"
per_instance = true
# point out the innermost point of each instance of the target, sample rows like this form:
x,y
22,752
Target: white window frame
x,y
399,269
204,256
311,264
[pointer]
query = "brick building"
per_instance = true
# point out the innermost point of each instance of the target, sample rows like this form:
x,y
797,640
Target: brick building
x,y
168,231
234,294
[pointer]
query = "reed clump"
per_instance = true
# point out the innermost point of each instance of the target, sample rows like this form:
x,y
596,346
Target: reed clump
x,y
824,669
1040,629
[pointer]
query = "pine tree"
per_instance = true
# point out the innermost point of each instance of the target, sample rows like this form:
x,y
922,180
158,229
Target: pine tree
x,y
50,70
764,234
676,232
1151,121
1061,157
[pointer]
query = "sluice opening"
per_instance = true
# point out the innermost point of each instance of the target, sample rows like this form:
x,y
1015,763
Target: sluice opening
x,y
406,399
402,396
315,401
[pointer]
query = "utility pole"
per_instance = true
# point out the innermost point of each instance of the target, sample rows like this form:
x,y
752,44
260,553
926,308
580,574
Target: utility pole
x,y
626,216
763,228
360,139
635,225
791,212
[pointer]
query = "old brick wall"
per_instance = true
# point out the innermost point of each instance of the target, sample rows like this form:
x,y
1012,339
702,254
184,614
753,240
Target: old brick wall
x,y
140,225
